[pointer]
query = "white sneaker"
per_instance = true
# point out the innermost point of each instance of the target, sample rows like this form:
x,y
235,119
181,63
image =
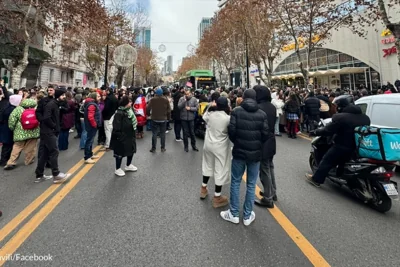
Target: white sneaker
x,y
227,216
249,220
90,161
119,173
95,157
166,132
131,168
61,178
71,131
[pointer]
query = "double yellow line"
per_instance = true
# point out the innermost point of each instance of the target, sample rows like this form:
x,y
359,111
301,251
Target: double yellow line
x,y
26,230
298,238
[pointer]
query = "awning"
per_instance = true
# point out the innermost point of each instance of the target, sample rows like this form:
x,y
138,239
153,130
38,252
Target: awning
x,y
350,70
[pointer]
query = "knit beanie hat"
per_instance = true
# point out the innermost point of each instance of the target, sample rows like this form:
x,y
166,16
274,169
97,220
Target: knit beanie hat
x,y
222,102
58,93
159,91
250,93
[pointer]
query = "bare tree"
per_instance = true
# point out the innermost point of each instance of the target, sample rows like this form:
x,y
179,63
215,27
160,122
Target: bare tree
x,y
309,23
24,22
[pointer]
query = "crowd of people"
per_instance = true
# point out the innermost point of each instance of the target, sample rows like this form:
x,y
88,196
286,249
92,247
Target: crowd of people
x,y
241,129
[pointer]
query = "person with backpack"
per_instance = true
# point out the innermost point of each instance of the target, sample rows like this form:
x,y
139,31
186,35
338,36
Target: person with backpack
x,y
24,124
48,115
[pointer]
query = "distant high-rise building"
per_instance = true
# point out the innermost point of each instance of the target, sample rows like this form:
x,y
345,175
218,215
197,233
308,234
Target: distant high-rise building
x,y
166,67
170,66
204,24
222,3
144,37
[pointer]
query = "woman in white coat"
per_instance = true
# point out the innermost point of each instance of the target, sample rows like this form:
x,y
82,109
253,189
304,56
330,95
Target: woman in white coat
x,y
217,150
278,103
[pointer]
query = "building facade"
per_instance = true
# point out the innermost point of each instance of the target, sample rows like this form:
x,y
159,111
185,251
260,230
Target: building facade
x,y
170,65
346,60
204,24
143,37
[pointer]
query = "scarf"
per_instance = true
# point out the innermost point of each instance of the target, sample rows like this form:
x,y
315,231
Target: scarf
x,y
131,116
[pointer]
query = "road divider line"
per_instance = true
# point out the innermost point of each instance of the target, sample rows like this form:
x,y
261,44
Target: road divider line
x,y
19,238
298,238
25,213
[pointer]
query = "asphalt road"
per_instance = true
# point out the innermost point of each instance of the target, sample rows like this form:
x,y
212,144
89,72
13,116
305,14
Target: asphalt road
x,y
155,218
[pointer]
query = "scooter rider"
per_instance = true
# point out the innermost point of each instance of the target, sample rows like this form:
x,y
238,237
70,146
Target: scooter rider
x,y
342,129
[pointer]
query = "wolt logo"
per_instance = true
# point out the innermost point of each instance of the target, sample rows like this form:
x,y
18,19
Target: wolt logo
x,y
395,145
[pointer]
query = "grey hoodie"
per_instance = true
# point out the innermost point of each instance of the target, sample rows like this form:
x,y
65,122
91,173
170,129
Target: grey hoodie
x,y
188,115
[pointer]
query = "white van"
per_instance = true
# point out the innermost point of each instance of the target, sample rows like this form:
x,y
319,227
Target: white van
x,y
383,110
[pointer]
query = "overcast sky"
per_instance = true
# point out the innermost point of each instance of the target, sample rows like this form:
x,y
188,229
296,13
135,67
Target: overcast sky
x,y
175,24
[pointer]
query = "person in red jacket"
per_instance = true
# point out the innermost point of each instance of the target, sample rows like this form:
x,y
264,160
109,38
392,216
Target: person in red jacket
x,y
92,120
140,112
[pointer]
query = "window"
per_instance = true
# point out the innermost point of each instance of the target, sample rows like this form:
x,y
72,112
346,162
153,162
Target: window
x,y
385,115
363,108
51,75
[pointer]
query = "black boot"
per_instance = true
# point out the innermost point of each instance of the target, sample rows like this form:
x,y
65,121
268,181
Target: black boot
x,y
264,203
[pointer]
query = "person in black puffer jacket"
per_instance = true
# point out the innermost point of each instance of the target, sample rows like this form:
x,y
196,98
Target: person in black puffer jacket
x,y
48,114
267,174
342,129
312,106
248,130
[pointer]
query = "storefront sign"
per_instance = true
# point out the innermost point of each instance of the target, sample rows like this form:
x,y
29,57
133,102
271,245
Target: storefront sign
x,y
389,51
388,40
300,42
386,32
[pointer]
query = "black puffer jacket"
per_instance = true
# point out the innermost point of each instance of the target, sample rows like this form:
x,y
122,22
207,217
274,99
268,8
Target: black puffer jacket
x,y
248,130
343,124
312,106
264,103
48,114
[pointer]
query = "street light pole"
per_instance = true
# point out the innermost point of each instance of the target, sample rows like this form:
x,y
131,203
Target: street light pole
x,y
247,64
106,68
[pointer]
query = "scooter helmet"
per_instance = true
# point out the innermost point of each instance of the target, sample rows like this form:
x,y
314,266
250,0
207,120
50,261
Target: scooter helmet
x,y
342,102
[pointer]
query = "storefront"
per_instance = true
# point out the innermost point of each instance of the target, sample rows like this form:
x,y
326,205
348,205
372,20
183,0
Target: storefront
x,y
345,61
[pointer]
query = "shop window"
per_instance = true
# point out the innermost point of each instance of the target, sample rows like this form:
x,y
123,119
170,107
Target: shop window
x,y
321,61
345,58
51,75
332,52
321,53
333,59
363,107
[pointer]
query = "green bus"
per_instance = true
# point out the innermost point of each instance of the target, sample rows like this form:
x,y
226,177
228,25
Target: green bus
x,y
198,79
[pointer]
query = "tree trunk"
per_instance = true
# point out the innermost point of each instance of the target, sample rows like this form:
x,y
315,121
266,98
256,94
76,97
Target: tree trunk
x,y
266,82
120,76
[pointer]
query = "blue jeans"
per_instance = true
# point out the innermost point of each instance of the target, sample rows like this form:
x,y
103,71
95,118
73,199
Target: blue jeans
x,y
91,133
238,168
277,126
63,140
158,128
83,135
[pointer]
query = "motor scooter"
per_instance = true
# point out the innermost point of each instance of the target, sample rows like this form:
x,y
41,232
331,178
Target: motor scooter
x,y
368,179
